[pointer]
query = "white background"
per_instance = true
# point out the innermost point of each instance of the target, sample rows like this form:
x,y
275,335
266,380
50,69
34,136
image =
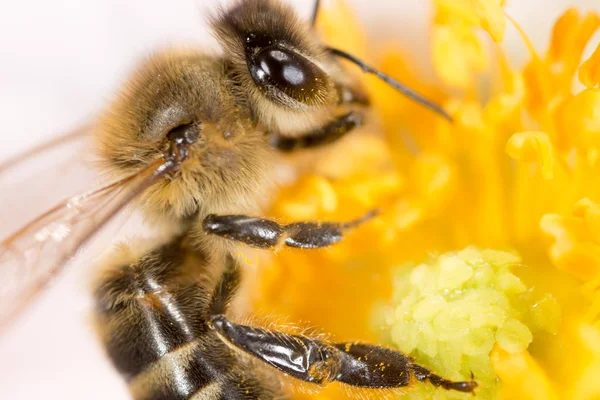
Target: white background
x,y
59,62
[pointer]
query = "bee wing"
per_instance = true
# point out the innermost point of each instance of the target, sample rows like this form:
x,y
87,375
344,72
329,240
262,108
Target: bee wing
x,y
38,252
53,145
43,176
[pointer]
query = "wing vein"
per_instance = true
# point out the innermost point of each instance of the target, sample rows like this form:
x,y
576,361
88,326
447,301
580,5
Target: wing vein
x,y
33,256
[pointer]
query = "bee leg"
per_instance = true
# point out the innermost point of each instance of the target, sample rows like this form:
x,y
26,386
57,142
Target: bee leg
x,y
320,137
226,288
264,233
354,364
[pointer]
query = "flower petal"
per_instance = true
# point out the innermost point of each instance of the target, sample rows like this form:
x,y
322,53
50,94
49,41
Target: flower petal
x,y
434,178
458,54
578,120
573,249
586,386
590,213
521,376
335,14
589,71
549,81
487,14
570,35
492,17
505,104
533,147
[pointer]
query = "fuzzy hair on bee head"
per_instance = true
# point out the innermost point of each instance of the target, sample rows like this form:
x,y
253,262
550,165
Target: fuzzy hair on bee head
x,y
269,17
248,29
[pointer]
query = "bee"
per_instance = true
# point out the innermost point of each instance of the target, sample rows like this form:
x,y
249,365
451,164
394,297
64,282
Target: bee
x,y
191,138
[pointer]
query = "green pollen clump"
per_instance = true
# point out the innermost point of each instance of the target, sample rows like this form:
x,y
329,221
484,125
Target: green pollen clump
x,y
450,312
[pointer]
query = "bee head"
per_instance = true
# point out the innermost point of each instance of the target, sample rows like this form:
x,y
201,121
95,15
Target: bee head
x,y
177,107
274,56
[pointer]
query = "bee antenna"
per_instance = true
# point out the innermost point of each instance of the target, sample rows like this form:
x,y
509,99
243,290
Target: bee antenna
x,y
315,12
392,82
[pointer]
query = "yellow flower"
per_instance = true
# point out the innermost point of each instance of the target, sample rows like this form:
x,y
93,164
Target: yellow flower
x,y
576,245
587,388
549,80
458,53
589,72
571,34
522,372
487,14
533,146
517,171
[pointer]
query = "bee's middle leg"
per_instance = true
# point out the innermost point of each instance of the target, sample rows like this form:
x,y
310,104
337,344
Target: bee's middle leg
x,y
327,134
265,233
341,125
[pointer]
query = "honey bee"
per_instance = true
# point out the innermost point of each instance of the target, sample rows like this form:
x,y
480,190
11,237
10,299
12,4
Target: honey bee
x,y
191,139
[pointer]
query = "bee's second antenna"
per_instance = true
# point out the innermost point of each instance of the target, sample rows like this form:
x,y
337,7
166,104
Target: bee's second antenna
x,y
392,82
315,13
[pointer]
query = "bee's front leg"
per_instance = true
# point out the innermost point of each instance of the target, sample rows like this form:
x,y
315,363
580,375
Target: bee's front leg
x,y
265,233
319,137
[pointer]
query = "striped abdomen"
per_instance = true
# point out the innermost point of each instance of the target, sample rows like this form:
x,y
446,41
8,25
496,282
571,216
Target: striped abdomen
x,y
151,316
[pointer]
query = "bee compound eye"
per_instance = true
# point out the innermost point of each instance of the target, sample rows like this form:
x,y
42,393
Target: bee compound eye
x,y
289,72
283,68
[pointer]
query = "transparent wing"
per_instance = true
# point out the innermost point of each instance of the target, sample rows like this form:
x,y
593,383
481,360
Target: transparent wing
x,y
35,254
45,175
54,145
